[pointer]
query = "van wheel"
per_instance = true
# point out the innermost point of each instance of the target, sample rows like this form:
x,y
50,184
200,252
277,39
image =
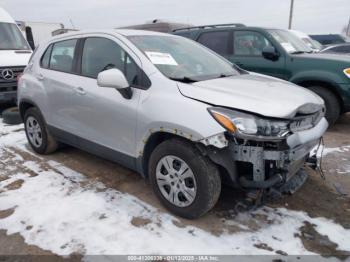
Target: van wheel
x,y
37,133
331,102
187,183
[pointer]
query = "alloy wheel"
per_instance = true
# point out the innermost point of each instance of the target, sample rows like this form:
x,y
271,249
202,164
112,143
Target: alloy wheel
x,y
34,131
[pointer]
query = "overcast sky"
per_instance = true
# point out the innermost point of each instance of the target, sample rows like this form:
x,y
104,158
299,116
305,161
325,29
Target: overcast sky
x,y
310,16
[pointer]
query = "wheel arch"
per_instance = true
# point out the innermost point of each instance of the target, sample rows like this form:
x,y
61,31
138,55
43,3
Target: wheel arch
x,y
225,165
24,105
150,144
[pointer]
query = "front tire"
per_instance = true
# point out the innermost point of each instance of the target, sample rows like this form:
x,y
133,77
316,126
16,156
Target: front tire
x,y
187,183
331,101
39,138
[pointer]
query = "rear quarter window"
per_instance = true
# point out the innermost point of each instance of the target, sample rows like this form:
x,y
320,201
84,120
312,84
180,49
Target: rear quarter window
x,y
45,59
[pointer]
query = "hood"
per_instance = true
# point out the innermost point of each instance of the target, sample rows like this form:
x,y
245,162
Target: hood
x,y
254,93
14,58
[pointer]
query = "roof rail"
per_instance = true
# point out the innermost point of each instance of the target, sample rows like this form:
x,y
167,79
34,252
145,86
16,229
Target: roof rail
x,y
209,26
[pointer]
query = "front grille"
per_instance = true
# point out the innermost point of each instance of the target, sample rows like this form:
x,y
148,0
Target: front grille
x,y
9,85
305,122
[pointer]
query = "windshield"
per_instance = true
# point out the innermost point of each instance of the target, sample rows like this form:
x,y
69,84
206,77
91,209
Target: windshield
x,y
11,38
312,44
291,43
182,59
316,44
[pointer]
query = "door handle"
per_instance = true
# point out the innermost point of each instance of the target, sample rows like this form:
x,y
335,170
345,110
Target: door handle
x,y
40,77
80,91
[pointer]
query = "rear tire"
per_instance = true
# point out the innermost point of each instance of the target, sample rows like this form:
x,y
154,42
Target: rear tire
x,y
333,109
39,137
206,181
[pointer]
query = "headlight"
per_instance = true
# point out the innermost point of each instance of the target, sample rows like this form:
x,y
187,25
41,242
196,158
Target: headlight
x,y
243,124
347,72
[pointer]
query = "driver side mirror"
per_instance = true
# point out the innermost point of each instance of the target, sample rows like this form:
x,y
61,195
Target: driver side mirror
x,y
114,78
270,53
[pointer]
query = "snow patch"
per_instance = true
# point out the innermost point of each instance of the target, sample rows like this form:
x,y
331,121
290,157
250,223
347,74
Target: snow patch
x,y
323,151
65,217
57,211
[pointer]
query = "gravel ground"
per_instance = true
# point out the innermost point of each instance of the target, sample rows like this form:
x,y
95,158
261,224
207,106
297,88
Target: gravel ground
x,y
315,220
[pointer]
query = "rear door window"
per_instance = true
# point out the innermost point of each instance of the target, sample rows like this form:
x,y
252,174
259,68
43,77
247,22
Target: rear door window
x,y
62,56
217,41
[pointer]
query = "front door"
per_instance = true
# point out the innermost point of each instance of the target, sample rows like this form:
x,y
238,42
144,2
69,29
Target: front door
x,y
247,53
103,115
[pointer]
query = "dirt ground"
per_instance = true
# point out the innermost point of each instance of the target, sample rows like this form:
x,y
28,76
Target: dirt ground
x,y
329,198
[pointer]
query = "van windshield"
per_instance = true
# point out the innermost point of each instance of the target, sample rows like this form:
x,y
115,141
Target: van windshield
x,y
11,38
182,59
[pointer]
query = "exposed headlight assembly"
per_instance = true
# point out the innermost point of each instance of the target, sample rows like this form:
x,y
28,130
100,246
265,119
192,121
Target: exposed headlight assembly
x,y
246,125
347,72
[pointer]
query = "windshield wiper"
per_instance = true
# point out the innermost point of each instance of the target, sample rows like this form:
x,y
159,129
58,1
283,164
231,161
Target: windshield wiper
x,y
297,52
184,79
225,75
187,79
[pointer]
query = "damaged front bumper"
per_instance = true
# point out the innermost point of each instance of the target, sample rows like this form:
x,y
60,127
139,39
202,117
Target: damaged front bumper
x,y
265,164
270,167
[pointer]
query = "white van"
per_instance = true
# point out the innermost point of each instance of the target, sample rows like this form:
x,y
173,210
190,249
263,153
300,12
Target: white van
x,y
37,32
15,53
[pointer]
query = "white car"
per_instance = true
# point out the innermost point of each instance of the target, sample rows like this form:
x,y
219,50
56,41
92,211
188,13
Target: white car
x,y
172,110
14,56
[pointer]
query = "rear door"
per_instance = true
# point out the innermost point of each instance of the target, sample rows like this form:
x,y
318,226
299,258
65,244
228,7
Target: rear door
x,y
58,75
247,46
102,115
218,41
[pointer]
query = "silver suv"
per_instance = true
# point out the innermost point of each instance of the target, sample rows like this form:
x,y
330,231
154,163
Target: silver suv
x,y
172,110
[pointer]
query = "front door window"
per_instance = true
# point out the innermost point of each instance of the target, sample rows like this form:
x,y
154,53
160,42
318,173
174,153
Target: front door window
x,y
249,43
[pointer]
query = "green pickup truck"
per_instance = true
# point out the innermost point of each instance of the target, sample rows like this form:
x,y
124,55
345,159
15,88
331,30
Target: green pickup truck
x,y
281,54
